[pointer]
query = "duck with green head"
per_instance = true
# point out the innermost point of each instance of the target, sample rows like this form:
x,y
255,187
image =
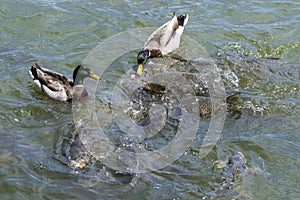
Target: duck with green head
x,y
59,87
163,40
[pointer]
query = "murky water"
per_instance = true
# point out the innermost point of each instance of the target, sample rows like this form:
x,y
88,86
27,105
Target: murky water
x,y
255,46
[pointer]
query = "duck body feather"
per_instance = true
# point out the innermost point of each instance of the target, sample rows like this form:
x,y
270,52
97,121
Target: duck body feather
x,y
167,37
163,40
56,85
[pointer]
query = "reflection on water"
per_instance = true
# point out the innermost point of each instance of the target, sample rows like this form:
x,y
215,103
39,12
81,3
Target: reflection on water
x,y
37,132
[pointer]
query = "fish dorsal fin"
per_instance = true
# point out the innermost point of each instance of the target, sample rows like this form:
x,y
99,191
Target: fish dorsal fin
x,y
179,54
233,97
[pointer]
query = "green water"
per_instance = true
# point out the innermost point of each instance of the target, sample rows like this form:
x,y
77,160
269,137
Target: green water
x,y
60,34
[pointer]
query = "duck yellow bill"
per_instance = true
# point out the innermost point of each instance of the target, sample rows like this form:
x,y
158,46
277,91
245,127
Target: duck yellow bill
x,y
94,76
139,69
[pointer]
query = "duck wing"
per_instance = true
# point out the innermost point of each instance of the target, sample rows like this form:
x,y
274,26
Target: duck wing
x,y
161,36
174,37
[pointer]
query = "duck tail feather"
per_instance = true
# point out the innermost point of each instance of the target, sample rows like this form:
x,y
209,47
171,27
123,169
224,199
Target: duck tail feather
x,y
33,71
183,19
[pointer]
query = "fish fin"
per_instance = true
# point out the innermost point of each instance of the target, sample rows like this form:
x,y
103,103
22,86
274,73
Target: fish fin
x,y
233,97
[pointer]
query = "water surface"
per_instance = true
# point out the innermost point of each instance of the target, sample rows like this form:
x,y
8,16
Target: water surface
x,y
60,34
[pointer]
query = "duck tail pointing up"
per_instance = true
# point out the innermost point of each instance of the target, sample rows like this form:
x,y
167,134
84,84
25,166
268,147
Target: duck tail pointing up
x,y
182,19
33,71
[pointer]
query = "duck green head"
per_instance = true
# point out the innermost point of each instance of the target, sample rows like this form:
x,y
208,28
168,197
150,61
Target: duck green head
x,y
81,72
141,59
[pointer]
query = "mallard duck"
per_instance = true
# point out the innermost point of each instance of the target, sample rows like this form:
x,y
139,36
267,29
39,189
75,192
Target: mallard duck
x,y
59,87
163,40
